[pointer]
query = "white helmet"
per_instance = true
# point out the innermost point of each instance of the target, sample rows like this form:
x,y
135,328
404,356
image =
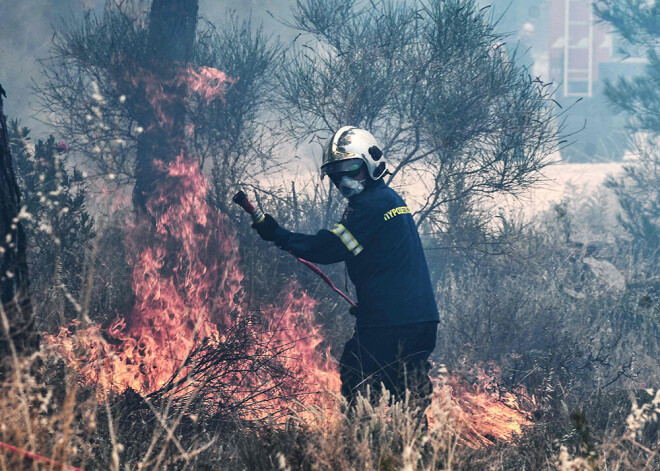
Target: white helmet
x,y
348,148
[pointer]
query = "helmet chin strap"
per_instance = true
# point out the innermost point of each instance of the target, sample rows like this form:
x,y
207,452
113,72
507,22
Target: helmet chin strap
x,y
350,187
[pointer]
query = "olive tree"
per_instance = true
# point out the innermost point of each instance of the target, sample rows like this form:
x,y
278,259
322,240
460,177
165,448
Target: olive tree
x,y
96,92
432,80
638,190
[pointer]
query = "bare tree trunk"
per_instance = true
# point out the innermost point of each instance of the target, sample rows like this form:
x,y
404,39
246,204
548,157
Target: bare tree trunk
x,y
172,25
16,314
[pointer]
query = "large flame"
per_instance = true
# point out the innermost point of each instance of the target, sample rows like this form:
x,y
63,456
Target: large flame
x,y
485,414
187,284
187,281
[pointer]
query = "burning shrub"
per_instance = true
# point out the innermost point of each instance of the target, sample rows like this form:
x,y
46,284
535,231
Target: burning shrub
x,y
191,327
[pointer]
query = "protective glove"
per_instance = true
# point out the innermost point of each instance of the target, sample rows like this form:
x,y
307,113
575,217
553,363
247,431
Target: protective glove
x,y
266,228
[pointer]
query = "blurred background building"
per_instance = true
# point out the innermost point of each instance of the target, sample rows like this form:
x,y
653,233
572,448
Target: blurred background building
x,y
563,42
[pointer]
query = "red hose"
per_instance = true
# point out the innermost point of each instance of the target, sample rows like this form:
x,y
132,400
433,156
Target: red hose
x,y
325,278
34,457
242,200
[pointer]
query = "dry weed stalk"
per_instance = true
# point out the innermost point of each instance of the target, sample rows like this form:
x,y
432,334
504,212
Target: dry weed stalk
x,y
638,448
376,433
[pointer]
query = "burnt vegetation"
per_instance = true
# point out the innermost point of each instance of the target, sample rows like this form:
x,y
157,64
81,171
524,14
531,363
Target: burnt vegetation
x,y
561,311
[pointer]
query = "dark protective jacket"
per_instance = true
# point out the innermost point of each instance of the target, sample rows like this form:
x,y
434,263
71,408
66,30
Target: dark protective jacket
x,y
378,240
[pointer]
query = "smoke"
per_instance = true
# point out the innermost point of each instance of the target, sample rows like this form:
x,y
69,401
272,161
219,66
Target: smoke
x,y
272,16
269,13
28,27
26,34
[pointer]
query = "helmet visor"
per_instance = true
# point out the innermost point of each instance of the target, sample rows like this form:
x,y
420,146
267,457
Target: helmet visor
x,y
341,167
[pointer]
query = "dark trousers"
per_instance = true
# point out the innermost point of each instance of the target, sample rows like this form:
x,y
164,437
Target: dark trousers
x,y
395,356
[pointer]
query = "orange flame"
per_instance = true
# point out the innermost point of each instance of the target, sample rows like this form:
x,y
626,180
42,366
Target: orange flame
x,y
484,414
206,82
198,296
186,275
182,301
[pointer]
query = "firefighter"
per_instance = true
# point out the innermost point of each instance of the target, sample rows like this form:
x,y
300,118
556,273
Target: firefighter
x,y
397,315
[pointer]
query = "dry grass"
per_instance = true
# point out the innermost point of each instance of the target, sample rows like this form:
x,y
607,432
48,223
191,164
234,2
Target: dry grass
x,y
46,412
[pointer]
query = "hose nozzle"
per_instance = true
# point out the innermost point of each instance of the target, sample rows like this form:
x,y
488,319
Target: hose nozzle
x,y
242,200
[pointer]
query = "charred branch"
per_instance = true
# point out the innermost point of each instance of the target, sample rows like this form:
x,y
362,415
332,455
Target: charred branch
x,y
170,41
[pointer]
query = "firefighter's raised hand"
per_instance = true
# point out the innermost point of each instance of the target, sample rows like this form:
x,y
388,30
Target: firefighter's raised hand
x,y
266,228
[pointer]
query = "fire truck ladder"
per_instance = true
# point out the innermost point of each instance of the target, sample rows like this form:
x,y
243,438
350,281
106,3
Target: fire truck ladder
x,y
576,41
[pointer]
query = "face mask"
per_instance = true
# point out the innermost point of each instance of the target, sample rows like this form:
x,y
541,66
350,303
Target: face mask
x,y
349,187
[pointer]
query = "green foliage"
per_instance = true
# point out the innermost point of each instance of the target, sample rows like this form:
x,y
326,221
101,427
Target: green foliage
x,y
639,97
638,191
638,21
58,225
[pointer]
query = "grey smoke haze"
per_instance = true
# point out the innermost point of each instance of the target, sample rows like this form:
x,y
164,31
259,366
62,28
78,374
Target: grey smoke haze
x,y
27,28
26,31
261,12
